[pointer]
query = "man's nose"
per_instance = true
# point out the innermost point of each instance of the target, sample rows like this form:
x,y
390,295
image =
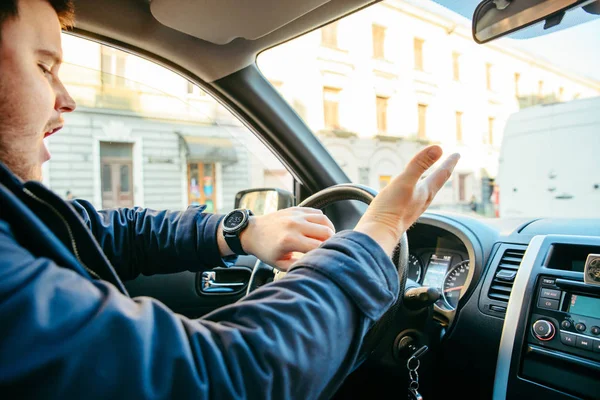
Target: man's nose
x,y
64,101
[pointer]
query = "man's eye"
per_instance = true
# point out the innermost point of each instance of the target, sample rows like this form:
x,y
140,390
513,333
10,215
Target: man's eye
x,y
44,69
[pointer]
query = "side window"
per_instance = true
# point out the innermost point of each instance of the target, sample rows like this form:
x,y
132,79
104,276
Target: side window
x,y
145,136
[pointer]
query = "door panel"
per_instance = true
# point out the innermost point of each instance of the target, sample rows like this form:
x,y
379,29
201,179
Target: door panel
x,y
189,298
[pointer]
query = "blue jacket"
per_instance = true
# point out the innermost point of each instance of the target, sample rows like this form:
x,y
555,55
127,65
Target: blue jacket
x,y
69,330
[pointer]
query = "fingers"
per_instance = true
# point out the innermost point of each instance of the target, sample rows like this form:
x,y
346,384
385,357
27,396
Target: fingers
x,y
320,219
306,210
316,231
285,265
305,244
420,163
438,178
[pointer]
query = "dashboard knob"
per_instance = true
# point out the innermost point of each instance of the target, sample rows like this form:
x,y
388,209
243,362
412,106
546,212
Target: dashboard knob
x,y
580,327
543,330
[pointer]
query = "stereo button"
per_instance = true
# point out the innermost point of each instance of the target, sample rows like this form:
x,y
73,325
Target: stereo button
x,y
568,339
550,293
595,330
597,346
580,327
548,304
566,324
585,343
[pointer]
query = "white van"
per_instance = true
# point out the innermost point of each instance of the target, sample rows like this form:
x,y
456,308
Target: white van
x,y
550,161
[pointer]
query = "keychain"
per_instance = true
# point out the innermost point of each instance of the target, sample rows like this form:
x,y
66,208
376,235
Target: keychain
x,y
413,387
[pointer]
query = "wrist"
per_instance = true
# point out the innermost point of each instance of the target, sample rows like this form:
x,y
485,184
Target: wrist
x,y
247,234
224,249
386,236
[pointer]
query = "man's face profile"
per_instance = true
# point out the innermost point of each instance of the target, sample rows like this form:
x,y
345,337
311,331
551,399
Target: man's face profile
x,y
32,98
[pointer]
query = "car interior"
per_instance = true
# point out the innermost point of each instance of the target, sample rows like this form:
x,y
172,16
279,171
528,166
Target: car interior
x,y
504,306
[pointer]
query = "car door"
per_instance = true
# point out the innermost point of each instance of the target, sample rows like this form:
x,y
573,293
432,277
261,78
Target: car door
x,y
143,136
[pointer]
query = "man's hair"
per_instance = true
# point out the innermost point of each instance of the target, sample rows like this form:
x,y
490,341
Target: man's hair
x,y
64,9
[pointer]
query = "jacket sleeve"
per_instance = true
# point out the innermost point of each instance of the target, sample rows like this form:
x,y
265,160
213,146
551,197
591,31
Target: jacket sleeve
x,y
64,336
145,241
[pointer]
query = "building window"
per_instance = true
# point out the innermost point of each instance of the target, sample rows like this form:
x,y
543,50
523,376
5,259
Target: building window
x,y
382,106
456,66
422,134
488,76
540,90
462,187
201,185
459,127
384,180
331,107
517,79
363,175
329,35
116,162
112,66
490,135
418,49
378,41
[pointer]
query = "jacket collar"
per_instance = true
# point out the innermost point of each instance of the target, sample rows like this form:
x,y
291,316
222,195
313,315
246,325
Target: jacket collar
x,y
9,178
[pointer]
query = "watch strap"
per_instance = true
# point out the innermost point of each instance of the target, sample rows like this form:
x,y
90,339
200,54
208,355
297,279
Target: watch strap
x,y
235,244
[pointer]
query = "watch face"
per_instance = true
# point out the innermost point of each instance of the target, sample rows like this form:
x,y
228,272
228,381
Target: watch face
x,y
234,220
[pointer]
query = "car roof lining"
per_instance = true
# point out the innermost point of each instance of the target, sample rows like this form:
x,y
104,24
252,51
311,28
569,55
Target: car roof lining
x,y
246,19
130,25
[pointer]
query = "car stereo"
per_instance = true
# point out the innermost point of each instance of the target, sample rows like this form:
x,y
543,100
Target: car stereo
x,y
566,317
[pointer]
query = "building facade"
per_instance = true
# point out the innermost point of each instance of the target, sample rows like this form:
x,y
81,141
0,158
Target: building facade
x,y
374,87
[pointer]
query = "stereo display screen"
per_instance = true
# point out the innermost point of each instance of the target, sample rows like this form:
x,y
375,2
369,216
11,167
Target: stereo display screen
x,y
585,306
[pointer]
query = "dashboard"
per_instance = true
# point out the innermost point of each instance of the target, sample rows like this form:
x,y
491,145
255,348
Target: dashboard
x,y
439,259
527,347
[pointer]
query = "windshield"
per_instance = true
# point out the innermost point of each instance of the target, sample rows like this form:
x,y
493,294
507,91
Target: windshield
x,y
378,85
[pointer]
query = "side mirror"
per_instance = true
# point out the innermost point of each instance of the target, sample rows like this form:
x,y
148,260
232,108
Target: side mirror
x,y
264,201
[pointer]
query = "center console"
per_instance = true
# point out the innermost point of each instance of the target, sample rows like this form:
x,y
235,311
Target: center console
x,y
550,345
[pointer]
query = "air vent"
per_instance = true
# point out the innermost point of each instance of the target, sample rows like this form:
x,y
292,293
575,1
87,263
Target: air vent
x,y
505,275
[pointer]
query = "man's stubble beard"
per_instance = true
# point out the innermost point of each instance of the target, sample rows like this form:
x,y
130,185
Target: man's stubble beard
x,y
13,150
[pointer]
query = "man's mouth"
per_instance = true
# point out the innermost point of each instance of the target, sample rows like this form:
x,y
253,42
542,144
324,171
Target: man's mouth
x,y
52,131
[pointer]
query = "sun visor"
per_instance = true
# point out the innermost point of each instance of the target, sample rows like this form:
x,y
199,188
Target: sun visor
x,y
221,21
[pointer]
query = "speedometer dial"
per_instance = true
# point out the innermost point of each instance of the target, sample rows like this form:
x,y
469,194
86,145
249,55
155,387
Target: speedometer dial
x,y
454,282
415,267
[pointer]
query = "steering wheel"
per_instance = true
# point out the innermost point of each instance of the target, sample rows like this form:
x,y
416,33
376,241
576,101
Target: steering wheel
x,y
264,273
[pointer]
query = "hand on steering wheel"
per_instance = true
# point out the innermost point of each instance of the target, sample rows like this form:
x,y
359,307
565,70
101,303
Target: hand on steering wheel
x,y
275,238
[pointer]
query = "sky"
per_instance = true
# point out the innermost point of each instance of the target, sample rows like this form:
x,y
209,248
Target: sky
x,y
576,48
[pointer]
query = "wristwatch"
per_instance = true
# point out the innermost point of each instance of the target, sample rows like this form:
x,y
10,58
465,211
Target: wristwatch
x,y
233,224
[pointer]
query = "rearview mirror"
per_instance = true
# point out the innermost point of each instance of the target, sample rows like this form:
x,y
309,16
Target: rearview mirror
x,y
497,18
264,201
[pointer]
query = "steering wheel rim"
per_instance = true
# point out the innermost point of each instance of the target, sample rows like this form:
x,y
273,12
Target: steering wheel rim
x,y
348,191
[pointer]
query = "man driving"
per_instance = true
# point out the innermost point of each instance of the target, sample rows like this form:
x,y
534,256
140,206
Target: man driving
x,y
71,330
